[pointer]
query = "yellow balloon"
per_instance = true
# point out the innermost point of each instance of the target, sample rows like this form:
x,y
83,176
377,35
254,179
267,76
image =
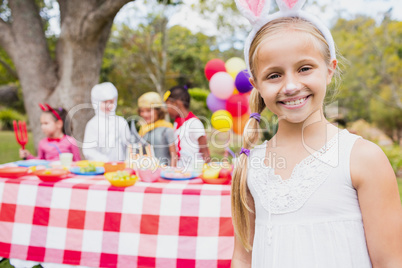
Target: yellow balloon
x,y
222,120
234,66
235,91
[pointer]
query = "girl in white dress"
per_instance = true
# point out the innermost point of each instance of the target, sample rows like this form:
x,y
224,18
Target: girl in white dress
x,y
313,195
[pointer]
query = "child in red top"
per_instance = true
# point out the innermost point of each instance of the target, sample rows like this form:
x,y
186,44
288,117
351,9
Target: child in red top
x,y
191,140
53,126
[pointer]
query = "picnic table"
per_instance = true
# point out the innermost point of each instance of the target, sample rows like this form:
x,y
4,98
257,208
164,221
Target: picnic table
x,y
85,221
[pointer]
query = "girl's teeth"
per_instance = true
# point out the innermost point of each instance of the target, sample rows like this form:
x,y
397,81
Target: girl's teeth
x,y
297,102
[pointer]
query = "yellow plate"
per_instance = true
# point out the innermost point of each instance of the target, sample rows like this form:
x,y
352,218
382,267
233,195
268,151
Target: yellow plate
x,y
85,163
120,183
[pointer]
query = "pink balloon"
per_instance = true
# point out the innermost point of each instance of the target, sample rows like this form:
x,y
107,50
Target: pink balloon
x,y
221,85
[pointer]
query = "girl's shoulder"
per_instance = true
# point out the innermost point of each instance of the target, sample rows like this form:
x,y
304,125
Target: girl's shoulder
x,y
365,151
366,159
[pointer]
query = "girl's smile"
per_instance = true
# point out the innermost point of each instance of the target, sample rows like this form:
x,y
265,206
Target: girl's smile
x,y
294,103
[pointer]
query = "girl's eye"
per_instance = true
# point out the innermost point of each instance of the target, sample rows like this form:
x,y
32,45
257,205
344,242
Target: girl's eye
x,y
305,69
273,76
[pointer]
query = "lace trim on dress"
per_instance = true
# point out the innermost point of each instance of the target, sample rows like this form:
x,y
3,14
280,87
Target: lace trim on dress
x,y
280,196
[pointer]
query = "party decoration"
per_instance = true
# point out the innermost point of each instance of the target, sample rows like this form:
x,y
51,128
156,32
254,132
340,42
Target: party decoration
x,y
221,85
242,82
214,104
222,120
213,66
234,66
239,123
237,105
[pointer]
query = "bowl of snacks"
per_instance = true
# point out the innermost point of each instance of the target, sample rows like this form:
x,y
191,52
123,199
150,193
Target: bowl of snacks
x,y
217,173
121,178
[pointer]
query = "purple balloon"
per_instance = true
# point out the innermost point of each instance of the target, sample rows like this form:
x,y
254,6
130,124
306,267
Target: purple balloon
x,y
242,82
214,103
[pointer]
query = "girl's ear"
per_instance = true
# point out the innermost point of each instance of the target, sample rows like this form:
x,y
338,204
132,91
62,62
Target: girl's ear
x,y
331,70
252,82
253,9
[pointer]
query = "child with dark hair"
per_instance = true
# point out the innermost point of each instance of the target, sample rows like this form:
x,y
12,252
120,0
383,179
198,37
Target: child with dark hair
x,y
55,124
191,140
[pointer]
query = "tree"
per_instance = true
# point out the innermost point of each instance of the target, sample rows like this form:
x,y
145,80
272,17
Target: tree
x,y
133,56
371,85
67,78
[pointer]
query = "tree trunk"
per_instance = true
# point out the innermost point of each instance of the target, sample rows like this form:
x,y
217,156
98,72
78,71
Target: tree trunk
x,y
65,81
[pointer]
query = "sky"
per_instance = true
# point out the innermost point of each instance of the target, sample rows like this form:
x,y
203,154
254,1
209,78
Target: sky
x,y
190,19
346,8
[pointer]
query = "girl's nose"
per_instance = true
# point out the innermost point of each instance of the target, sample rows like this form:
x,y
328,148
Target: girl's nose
x,y
290,89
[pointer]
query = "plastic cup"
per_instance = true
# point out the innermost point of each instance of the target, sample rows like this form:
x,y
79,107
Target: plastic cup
x,y
66,159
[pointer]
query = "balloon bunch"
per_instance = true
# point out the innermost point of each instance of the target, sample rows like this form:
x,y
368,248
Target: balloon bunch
x,y
230,88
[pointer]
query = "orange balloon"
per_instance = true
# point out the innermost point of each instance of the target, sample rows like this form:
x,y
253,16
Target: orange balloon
x,y
239,123
235,91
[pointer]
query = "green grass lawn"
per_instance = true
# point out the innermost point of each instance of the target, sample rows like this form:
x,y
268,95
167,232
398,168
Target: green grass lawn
x,y
9,147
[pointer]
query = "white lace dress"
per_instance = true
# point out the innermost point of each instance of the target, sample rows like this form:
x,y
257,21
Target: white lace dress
x,y
312,219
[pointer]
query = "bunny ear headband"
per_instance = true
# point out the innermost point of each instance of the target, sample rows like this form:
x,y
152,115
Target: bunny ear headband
x,y
257,12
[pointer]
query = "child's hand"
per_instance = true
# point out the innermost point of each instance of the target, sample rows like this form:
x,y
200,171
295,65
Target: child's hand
x,y
24,153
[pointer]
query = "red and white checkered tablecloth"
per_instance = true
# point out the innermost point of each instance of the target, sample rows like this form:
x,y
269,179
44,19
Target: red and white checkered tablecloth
x,y
85,221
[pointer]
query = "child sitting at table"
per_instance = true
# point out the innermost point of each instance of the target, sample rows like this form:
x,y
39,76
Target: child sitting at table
x,y
155,130
106,134
191,140
54,123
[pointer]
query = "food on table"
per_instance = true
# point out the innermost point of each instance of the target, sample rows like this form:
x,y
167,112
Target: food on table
x,y
225,173
84,163
211,173
121,178
177,173
90,168
122,175
130,171
221,171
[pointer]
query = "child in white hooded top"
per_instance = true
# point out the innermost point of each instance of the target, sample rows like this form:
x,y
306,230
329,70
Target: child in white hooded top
x,y
106,134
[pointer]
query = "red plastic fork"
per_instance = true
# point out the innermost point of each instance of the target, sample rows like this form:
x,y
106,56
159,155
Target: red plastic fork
x,y
21,134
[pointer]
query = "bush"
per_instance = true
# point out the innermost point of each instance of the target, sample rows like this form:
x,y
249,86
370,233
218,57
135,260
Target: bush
x,y
395,157
199,94
7,116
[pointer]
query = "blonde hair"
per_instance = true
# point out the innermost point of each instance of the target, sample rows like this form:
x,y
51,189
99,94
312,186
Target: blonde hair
x,y
241,212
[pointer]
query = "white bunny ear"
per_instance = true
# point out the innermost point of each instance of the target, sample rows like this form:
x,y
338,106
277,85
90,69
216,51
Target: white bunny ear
x,y
253,9
285,5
